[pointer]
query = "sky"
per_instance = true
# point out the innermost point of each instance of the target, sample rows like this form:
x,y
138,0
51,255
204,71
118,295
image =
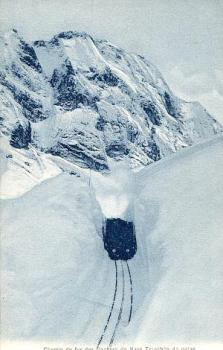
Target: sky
x,y
183,38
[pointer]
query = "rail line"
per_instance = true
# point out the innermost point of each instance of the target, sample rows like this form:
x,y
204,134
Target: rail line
x,y
131,291
121,307
112,306
114,301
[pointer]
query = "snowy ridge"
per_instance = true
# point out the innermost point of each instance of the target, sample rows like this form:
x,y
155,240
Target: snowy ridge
x,y
87,101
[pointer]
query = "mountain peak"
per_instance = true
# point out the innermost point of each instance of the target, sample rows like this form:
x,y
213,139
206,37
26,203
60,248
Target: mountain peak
x,y
90,102
71,34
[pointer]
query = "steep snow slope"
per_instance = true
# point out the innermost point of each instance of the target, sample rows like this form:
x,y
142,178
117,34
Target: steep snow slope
x,y
178,212
22,169
87,101
59,282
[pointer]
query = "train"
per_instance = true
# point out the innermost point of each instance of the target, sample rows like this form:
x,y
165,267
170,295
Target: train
x,y
119,239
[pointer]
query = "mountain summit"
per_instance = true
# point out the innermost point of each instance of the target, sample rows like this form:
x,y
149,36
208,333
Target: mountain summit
x,y
88,102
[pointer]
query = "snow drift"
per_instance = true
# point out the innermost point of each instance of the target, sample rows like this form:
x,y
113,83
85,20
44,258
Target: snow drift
x,y
178,212
59,282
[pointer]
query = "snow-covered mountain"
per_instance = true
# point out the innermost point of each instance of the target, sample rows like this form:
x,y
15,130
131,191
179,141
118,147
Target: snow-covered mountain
x,y
77,114
88,102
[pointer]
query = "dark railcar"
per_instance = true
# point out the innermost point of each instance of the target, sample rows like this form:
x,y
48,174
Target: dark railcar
x,y
119,239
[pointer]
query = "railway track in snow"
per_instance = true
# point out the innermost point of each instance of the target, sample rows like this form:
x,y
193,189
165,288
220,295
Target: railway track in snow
x,y
121,305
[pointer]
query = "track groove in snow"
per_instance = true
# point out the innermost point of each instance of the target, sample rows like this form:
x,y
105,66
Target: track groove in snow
x,y
121,307
113,302
131,291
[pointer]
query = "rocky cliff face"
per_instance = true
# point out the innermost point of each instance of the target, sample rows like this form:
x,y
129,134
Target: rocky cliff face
x,y
88,101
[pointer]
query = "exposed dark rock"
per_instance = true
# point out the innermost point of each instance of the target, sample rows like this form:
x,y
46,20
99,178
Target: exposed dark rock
x,y
79,153
71,34
32,109
28,56
107,77
54,42
39,43
68,92
100,125
19,74
131,133
152,112
116,149
21,136
169,104
153,150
